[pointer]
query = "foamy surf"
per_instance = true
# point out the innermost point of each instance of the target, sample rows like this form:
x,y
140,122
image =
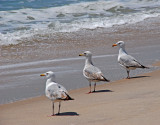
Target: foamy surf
x,y
25,24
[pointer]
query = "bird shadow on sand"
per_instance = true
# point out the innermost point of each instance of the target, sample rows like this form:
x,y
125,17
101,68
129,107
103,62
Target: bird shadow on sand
x,y
67,114
99,91
136,77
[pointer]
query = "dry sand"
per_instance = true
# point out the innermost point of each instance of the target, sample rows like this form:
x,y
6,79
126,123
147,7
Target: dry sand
x,y
123,102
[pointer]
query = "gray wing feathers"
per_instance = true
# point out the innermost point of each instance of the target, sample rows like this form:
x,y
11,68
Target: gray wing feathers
x,y
129,61
93,73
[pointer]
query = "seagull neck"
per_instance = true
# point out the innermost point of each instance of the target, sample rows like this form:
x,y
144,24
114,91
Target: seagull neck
x,y
89,61
122,50
50,80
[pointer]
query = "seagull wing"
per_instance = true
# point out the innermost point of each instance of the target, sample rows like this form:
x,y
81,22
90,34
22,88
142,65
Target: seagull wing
x,y
129,61
93,73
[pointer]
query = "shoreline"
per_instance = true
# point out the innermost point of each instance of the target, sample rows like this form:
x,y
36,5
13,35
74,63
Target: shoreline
x,y
120,102
156,64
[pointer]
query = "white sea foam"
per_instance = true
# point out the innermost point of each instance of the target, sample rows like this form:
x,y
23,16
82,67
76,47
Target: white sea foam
x,y
19,25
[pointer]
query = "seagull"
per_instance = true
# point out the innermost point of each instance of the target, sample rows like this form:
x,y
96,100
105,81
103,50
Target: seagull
x,y
90,72
126,61
54,91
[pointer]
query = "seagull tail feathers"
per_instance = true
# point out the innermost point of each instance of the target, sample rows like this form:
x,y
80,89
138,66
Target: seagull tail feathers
x,y
145,67
106,79
68,97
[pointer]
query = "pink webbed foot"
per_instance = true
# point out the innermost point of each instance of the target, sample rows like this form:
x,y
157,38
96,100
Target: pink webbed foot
x,y
89,93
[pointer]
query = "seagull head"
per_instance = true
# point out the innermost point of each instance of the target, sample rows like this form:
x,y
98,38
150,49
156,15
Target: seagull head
x,y
86,54
49,74
121,44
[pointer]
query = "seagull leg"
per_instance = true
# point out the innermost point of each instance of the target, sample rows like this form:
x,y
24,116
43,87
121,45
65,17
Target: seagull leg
x,y
94,87
59,108
89,87
53,109
128,77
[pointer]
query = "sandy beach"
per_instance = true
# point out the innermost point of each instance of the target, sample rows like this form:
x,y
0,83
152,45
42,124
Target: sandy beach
x,y
123,102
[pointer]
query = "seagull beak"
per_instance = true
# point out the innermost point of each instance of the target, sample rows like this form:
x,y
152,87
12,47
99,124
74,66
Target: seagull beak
x,y
114,45
42,75
81,54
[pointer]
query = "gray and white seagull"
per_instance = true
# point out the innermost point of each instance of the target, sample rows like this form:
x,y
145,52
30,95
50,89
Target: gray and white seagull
x,y
126,61
90,72
54,91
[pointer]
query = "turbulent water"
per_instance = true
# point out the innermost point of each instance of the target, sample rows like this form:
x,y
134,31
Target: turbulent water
x,y
24,20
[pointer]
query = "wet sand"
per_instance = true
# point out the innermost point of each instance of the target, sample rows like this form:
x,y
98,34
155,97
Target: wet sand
x,y
23,80
123,102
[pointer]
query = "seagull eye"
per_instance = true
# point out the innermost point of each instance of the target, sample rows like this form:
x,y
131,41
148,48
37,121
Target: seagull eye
x,y
46,73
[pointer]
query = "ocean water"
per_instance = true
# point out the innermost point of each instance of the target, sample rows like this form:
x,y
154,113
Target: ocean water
x,y
25,20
